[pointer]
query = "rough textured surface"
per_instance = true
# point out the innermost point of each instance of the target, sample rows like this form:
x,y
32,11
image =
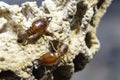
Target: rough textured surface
x,y
74,22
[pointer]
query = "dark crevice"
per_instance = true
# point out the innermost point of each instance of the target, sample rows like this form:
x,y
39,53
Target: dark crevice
x,y
100,2
63,73
88,38
48,33
3,29
97,6
76,21
8,75
38,73
92,19
46,10
79,62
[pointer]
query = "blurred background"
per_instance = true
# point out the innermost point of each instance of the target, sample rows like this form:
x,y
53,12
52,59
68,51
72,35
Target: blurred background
x,y
106,63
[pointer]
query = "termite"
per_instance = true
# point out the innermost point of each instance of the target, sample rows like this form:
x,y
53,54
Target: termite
x,y
38,27
50,58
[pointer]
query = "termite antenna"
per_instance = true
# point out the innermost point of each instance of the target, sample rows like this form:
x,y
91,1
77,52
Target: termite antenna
x,y
53,46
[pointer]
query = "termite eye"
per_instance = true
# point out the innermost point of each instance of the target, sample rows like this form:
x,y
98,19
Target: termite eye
x,y
19,40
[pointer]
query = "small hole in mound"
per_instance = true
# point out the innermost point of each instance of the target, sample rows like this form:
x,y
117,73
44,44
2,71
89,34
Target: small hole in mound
x,y
88,40
8,75
79,62
63,73
77,18
99,4
38,73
